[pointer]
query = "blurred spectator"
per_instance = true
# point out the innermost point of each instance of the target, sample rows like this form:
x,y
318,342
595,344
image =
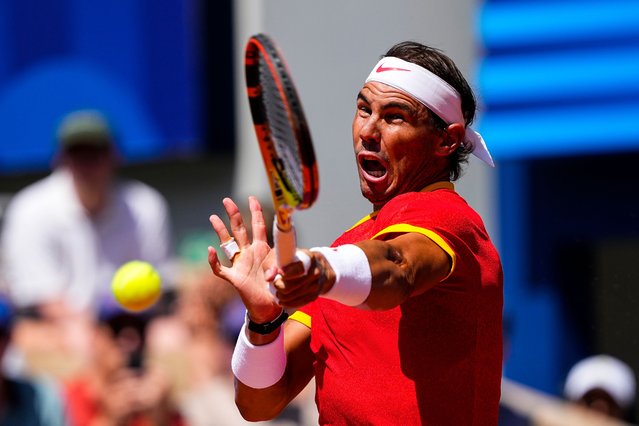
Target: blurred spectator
x,y
604,384
118,387
65,235
191,347
195,346
32,402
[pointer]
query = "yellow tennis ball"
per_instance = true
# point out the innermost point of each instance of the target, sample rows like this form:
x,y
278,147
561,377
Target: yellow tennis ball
x,y
136,285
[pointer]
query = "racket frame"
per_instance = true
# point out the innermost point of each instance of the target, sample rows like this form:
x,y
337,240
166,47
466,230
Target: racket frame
x,y
285,197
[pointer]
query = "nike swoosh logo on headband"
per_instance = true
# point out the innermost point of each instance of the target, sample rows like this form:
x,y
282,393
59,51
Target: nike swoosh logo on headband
x,y
382,68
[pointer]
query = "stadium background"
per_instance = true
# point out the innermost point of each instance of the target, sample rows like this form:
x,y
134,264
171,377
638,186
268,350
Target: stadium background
x,y
558,83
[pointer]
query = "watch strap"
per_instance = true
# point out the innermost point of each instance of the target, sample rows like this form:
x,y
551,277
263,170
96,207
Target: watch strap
x,y
267,327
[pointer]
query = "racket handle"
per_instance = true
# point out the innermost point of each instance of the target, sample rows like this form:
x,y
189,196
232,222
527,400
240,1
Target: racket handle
x,y
286,252
285,244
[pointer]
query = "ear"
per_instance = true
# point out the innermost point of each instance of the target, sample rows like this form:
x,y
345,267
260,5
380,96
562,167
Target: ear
x,y
451,139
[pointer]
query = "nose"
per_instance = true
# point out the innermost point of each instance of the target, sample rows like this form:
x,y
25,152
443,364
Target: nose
x,y
369,133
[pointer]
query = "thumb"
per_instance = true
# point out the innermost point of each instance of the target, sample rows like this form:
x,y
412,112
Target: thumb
x,y
270,273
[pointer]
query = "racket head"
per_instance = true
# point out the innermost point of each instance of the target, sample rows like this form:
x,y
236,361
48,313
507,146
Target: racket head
x,y
281,127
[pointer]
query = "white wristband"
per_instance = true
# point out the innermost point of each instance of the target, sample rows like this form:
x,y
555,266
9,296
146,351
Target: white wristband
x,y
258,366
353,279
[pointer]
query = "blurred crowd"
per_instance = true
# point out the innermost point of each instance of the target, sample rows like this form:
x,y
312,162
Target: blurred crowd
x,y
70,354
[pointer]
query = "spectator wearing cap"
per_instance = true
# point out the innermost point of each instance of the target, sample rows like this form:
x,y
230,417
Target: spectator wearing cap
x,y
64,236
602,383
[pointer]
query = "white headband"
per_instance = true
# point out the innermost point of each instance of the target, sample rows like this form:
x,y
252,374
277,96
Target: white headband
x,y
429,89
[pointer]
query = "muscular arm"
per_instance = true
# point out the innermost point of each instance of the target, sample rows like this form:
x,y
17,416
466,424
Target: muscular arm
x,y
265,404
402,265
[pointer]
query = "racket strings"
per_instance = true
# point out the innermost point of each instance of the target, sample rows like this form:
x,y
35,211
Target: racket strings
x,y
282,128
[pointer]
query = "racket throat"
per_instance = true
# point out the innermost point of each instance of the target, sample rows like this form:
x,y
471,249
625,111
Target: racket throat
x,y
284,218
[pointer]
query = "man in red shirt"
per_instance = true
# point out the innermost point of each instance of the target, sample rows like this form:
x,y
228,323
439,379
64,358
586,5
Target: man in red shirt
x,y
399,322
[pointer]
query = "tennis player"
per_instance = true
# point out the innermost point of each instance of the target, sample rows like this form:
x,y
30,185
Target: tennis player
x,y
399,322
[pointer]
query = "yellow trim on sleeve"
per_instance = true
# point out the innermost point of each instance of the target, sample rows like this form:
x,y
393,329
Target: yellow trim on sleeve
x,y
403,228
362,220
432,187
439,185
301,317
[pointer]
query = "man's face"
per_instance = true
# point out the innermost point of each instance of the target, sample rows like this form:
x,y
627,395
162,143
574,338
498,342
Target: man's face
x,y
394,144
90,166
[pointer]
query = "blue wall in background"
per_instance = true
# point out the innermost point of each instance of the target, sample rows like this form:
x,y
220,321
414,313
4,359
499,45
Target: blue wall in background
x,y
557,79
137,60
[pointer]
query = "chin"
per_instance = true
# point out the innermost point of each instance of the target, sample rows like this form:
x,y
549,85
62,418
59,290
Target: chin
x,y
376,198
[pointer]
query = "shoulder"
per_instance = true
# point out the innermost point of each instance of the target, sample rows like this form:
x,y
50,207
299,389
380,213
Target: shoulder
x,y
442,202
48,194
39,191
443,212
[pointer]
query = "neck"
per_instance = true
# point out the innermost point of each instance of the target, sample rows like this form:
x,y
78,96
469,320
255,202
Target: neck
x,y
92,198
433,186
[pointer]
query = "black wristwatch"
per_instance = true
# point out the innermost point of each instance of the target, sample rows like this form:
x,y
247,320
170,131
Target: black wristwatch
x,y
267,327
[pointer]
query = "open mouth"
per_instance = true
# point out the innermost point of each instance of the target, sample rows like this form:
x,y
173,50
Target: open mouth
x,y
373,167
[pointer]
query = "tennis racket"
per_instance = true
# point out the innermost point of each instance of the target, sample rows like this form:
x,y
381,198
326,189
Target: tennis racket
x,y
283,137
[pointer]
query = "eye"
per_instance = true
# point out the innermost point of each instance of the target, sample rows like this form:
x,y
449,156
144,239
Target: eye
x,y
394,117
363,110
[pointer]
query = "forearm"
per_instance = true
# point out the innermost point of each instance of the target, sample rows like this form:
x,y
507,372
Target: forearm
x,y
400,271
256,402
260,404
399,268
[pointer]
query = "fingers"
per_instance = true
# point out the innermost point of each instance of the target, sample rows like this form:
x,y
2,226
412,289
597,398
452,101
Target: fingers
x,y
214,261
237,223
298,287
219,228
270,273
216,266
231,244
257,220
296,294
238,232
299,265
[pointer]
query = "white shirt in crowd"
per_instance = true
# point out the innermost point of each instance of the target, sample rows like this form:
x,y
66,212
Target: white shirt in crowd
x,y
52,250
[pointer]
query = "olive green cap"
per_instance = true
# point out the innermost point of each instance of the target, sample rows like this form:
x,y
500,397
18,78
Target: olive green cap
x,y
84,127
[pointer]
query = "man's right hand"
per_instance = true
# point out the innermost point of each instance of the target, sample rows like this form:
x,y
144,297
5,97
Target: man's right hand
x,y
254,266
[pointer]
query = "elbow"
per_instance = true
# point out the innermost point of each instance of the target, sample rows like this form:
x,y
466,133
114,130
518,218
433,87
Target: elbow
x,y
254,417
252,412
390,295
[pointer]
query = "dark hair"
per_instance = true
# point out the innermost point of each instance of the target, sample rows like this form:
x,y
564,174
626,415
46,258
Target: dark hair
x,y
435,61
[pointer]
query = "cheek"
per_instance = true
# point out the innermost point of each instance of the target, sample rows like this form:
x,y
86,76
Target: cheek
x,y
405,165
409,156
401,151
355,130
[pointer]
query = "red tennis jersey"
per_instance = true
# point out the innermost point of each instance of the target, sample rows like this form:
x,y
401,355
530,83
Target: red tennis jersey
x,y
437,358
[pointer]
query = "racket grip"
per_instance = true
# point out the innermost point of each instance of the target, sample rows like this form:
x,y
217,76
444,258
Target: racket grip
x,y
285,244
286,252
